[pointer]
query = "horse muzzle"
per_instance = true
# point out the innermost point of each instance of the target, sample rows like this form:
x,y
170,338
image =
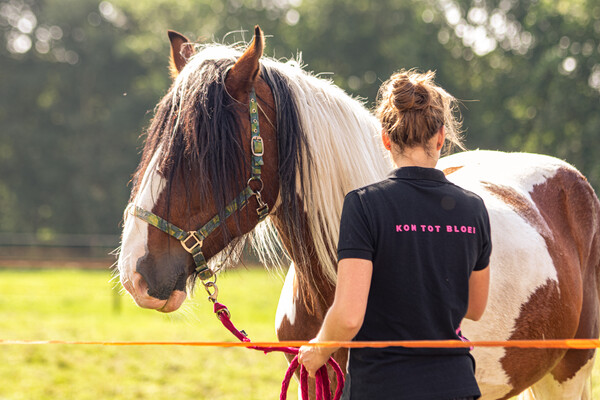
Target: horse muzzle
x,y
137,287
157,283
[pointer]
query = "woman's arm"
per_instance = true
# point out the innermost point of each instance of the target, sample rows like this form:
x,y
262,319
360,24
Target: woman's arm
x,y
346,315
479,284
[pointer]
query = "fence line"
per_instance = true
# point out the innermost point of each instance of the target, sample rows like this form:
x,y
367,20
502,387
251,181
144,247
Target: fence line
x,y
58,240
49,250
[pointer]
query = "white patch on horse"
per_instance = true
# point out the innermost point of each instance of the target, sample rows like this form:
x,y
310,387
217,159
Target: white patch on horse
x,y
517,246
135,231
520,171
576,388
287,304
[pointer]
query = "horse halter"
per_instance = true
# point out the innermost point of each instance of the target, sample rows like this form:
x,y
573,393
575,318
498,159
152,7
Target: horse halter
x,y
192,240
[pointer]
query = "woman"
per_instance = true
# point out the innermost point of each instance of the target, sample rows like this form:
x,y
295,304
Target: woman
x,y
413,258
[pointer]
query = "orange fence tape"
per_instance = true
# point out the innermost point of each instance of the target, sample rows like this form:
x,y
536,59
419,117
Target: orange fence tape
x,y
526,344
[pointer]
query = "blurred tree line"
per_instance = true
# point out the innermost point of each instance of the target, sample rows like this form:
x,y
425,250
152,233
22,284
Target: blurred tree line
x,y
79,80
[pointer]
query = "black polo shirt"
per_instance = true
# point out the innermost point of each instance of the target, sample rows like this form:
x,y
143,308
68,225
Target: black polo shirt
x,y
425,236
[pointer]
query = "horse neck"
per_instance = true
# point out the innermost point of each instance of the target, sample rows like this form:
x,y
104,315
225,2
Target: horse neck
x,y
314,289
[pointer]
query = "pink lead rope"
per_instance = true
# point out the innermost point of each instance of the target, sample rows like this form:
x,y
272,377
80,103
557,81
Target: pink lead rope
x,y
322,378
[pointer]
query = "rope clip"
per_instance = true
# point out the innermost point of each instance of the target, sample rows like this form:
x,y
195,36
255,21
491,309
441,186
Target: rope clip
x,y
212,290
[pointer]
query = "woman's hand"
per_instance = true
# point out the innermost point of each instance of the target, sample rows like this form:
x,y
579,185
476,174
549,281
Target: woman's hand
x,y
313,358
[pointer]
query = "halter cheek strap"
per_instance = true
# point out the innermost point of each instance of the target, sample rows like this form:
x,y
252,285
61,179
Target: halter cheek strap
x,y
192,241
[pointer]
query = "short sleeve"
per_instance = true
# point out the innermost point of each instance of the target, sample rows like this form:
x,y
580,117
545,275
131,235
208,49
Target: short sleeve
x,y
486,248
356,240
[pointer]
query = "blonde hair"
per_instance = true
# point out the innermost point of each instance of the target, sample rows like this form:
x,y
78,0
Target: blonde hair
x,y
412,109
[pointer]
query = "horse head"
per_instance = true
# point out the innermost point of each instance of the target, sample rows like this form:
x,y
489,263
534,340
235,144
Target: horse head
x,y
198,170
200,159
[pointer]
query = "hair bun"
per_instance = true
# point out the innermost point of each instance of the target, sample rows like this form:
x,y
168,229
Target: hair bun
x,y
410,96
412,108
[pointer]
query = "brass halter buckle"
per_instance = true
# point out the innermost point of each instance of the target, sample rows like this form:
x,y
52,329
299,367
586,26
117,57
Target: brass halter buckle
x,y
198,242
257,146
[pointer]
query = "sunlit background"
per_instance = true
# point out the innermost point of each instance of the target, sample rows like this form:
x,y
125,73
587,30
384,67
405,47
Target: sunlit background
x,y
79,80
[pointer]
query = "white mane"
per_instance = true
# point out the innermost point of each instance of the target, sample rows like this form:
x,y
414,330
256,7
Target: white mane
x,y
344,141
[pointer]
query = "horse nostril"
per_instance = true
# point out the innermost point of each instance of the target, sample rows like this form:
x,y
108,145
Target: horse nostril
x,y
161,275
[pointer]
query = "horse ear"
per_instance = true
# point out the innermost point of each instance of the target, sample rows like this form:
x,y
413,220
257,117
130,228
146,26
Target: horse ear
x,y
244,72
179,53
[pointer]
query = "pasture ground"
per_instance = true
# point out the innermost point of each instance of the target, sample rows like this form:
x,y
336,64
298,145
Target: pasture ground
x,y
82,305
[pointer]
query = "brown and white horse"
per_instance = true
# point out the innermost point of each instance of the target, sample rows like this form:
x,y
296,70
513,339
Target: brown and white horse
x,y
319,143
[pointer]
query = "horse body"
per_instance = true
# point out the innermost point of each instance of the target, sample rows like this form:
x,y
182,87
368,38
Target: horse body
x,y
544,215
544,276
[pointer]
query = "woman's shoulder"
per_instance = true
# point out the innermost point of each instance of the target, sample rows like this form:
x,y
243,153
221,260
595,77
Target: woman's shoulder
x,y
469,200
371,189
466,193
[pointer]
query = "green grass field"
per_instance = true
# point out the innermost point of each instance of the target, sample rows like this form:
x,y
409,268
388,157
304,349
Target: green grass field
x,y
82,305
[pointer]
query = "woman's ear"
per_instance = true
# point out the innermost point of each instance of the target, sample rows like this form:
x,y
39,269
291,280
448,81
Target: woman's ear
x,y
441,138
385,138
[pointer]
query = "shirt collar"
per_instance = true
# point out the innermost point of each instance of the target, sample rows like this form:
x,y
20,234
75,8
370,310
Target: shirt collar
x,y
431,174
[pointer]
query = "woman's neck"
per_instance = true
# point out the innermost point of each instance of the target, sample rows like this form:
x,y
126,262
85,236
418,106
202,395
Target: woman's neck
x,y
415,157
